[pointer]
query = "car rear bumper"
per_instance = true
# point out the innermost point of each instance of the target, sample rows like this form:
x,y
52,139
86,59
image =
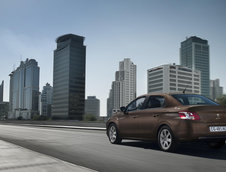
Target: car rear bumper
x,y
195,130
213,138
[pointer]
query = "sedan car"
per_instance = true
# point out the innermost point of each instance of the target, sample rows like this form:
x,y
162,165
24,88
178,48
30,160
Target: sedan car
x,y
170,119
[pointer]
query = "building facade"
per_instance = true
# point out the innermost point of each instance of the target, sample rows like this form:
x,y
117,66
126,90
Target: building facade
x,y
92,106
123,89
216,91
194,53
127,76
46,100
1,91
24,90
4,109
173,78
69,78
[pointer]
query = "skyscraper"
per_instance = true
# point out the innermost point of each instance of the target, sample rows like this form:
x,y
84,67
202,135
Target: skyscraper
x,y
1,91
24,90
123,89
194,53
216,91
173,78
69,78
127,76
92,106
46,100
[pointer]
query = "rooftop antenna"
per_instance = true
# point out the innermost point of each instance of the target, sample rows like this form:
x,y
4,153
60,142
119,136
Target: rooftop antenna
x,y
185,89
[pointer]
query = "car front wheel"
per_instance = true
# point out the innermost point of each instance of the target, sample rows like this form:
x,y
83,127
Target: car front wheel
x,y
113,134
166,139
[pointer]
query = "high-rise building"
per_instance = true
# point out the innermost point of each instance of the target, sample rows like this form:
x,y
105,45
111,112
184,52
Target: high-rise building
x,y
24,90
46,100
173,78
194,53
216,91
127,76
110,103
4,109
69,78
92,106
123,89
1,91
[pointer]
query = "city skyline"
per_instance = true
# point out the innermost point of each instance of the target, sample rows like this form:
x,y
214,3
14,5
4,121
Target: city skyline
x,y
113,31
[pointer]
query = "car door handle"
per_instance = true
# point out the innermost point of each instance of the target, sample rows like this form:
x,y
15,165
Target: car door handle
x,y
155,115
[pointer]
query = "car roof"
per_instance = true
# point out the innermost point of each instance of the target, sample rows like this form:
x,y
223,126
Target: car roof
x,y
170,100
166,94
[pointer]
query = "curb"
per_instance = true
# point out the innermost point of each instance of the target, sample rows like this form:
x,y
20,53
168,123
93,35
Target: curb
x,y
68,127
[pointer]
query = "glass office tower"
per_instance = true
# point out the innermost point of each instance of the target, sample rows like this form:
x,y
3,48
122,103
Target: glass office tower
x,y
194,53
69,78
24,90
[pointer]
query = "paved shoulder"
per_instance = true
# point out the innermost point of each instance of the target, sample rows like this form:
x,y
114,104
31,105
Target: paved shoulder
x,y
16,158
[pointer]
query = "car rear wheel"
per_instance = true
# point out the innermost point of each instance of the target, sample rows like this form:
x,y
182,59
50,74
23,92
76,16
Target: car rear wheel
x,y
113,134
216,144
166,139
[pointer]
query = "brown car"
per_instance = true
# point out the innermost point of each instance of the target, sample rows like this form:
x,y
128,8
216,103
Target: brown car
x,y
170,119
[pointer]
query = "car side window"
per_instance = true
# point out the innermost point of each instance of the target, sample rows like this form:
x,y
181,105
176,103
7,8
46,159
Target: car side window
x,y
156,102
136,104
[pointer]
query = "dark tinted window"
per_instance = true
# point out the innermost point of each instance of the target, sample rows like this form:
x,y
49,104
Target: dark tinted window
x,y
155,102
192,99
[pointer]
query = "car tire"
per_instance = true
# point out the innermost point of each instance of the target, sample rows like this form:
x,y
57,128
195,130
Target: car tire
x,y
166,140
216,144
113,134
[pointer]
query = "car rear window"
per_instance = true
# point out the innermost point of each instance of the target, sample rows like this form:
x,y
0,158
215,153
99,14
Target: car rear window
x,y
192,99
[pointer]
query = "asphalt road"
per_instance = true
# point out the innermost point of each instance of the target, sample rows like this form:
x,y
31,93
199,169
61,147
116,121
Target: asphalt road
x,y
92,149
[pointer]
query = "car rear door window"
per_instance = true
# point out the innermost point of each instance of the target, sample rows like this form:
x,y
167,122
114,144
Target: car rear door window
x,y
156,102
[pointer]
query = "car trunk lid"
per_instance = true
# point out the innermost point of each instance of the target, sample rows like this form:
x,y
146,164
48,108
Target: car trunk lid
x,y
210,114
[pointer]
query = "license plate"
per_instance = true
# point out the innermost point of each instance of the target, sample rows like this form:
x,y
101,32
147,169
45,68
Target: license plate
x,y
218,129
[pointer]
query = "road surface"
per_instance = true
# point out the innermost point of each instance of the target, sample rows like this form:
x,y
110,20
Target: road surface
x,y
92,149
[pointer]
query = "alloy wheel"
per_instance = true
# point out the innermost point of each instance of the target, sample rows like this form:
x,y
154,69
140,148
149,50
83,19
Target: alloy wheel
x,y
166,139
113,134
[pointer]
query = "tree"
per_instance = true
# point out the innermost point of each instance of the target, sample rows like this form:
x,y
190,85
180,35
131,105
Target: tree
x,y
222,100
89,117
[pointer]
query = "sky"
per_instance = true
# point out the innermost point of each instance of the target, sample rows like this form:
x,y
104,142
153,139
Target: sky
x,y
146,31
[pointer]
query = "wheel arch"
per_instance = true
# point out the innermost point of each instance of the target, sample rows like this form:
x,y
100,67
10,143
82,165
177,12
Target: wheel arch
x,y
160,126
112,122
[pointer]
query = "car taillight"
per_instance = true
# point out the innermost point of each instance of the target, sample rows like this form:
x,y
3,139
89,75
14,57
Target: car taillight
x,y
189,115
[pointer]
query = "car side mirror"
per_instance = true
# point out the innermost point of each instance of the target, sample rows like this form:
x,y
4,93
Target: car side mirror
x,y
123,109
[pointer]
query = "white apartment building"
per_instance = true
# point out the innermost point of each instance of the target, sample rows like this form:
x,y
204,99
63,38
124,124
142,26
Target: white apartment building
x,y
173,78
216,91
127,77
123,89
